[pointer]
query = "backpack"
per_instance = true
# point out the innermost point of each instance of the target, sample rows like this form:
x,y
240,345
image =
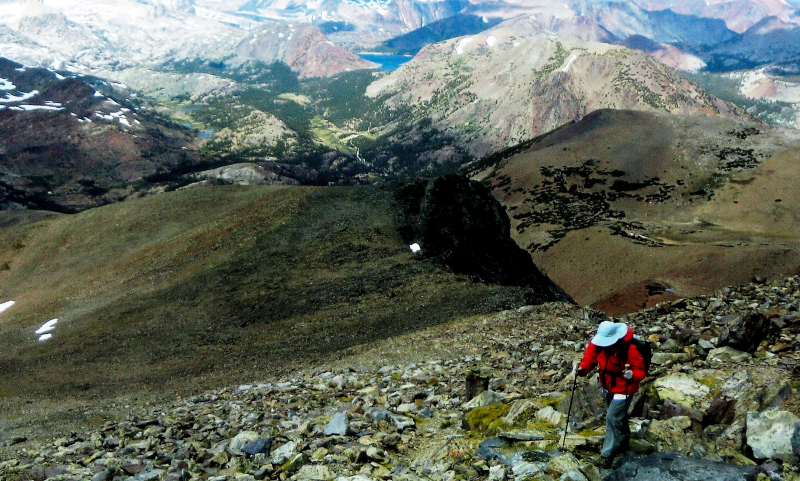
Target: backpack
x,y
645,349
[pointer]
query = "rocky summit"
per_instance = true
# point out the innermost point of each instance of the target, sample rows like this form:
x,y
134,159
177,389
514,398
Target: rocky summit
x,y
484,398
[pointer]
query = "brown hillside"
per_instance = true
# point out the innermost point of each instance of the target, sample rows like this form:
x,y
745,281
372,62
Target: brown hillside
x,y
623,200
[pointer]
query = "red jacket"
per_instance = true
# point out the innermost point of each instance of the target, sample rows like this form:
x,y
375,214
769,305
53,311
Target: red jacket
x,y
611,361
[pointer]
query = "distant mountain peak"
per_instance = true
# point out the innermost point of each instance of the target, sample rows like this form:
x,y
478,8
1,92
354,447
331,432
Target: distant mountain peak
x,y
739,15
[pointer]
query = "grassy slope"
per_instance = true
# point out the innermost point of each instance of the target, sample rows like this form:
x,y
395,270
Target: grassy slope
x,y
212,285
757,236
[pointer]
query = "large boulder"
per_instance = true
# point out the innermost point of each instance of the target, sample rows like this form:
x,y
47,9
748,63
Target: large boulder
x,y
769,434
550,416
746,333
520,409
484,399
587,403
677,467
671,434
727,355
241,440
682,389
721,411
338,426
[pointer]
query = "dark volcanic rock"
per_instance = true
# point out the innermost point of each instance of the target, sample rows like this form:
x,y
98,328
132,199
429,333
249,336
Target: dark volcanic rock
x,y
458,221
677,467
721,411
746,333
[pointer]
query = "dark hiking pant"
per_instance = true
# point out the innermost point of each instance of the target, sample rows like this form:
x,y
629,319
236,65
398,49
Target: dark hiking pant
x,y
617,429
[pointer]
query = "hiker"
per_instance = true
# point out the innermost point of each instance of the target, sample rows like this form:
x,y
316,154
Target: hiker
x,y
621,370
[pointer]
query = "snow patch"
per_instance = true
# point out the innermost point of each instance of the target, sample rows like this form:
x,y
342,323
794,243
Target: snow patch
x,y
569,62
485,20
461,44
98,94
20,70
47,326
48,108
415,248
45,337
6,306
491,41
11,98
6,84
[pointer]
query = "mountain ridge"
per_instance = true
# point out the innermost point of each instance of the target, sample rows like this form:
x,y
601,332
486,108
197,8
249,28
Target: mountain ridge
x,y
564,80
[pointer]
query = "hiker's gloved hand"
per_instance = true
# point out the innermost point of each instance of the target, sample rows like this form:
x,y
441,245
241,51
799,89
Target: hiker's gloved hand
x,y
628,374
580,372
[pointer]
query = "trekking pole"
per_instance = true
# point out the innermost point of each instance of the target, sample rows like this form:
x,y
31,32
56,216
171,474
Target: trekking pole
x,y
569,409
628,398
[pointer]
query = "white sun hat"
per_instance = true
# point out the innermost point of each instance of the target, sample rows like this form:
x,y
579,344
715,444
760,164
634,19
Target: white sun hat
x,y
609,332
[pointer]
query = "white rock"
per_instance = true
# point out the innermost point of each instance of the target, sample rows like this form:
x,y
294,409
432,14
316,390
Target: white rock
x,y
241,440
736,386
314,473
519,408
484,399
550,415
727,354
769,434
526,470
497,473
283,453
407,408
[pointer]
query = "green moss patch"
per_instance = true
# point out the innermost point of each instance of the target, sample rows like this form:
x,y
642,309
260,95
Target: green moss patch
x,y
488,420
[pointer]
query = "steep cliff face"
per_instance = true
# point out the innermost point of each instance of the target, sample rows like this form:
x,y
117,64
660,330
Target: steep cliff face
x,y
498,88
457,221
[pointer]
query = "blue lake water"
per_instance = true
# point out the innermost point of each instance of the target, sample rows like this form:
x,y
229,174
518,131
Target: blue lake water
x,y
388,62
206,134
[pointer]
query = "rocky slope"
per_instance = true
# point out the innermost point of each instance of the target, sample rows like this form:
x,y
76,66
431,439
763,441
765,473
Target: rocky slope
x,y
720,400
537,84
